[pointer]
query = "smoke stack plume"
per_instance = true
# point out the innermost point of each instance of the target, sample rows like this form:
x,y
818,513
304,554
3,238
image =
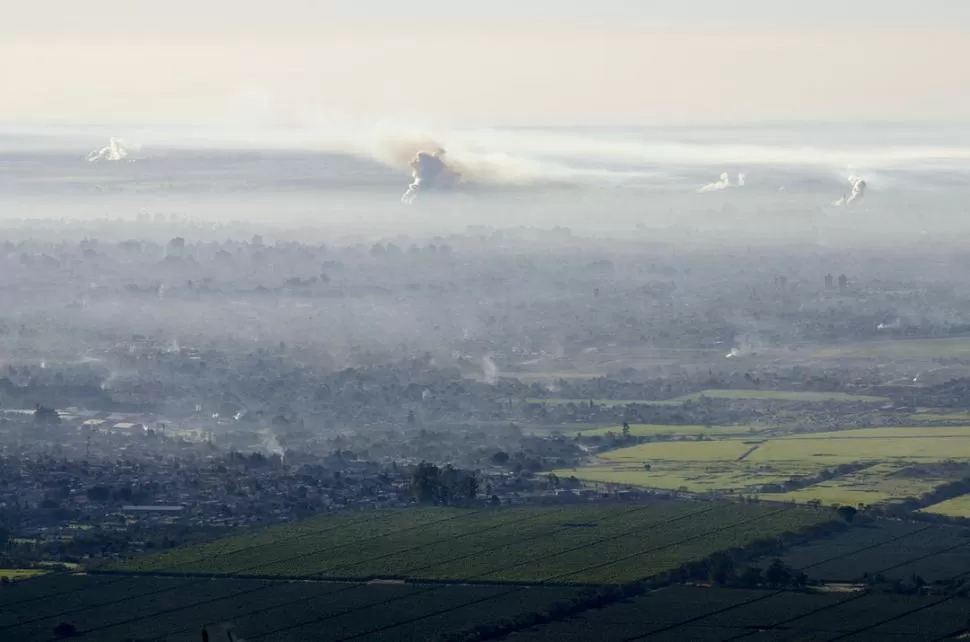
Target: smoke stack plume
x,y
429,171
856,195
723,183
116,150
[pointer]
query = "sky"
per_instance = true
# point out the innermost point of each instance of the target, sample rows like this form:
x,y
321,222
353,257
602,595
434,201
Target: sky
x,y
557,62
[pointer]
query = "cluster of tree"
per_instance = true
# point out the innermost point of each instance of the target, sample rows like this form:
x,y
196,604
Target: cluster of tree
x,y
445,486
826,474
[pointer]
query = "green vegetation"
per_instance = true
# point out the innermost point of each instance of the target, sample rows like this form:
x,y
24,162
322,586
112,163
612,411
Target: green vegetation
x,y
156,608
690,613
696,477
956,507
899,349
720,450
892,548
782,395
771,465
736,394
603,402
15,574
597,544
675,430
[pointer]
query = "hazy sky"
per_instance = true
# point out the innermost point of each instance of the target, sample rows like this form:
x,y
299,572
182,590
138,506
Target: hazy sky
x,y
501,61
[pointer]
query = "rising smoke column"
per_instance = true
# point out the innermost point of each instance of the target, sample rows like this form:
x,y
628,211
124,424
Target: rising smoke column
x,y
428,171
115,151
723,183
858,192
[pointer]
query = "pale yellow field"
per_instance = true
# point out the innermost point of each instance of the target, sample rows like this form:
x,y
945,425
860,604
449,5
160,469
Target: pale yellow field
x,y
695,477
734,464
16,574
721,450
652,430
894,432
956,507
836,449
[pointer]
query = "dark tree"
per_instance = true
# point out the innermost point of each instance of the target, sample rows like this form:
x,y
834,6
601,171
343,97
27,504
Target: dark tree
x,y
500,458
778,574
425,482
847,513
65,630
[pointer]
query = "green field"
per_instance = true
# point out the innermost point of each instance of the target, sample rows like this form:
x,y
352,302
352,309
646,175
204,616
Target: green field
x,y
712,614
591,544
893,548
956,507
782,395
872,485
603,402
15,574
743,463
676,430
695,477
741,395
111,608
899,349
719,450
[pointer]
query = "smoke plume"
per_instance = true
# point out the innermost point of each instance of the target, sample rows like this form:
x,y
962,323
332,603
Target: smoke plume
x,y
857,194
723,183
429,171
491,369
116,150
272,445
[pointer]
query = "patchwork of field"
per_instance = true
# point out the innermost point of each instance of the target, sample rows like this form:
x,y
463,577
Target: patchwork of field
x,y
715,615
116,608
892,548
576,544
744,463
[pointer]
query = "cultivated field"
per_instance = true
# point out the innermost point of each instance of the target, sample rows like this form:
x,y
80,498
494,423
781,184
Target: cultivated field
x,y
956,507
726,462
116,608
15,574
893,548
595,544
676,430
783,395
731,394
706,614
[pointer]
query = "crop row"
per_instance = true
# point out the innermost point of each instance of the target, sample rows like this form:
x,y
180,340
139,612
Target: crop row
x,y
895,549
724,614
292,610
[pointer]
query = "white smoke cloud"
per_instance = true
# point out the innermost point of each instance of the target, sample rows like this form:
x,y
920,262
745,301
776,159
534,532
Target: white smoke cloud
x,y
272,445
723,183
895,324
116,150
429,170
745,346
491,369
857,193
